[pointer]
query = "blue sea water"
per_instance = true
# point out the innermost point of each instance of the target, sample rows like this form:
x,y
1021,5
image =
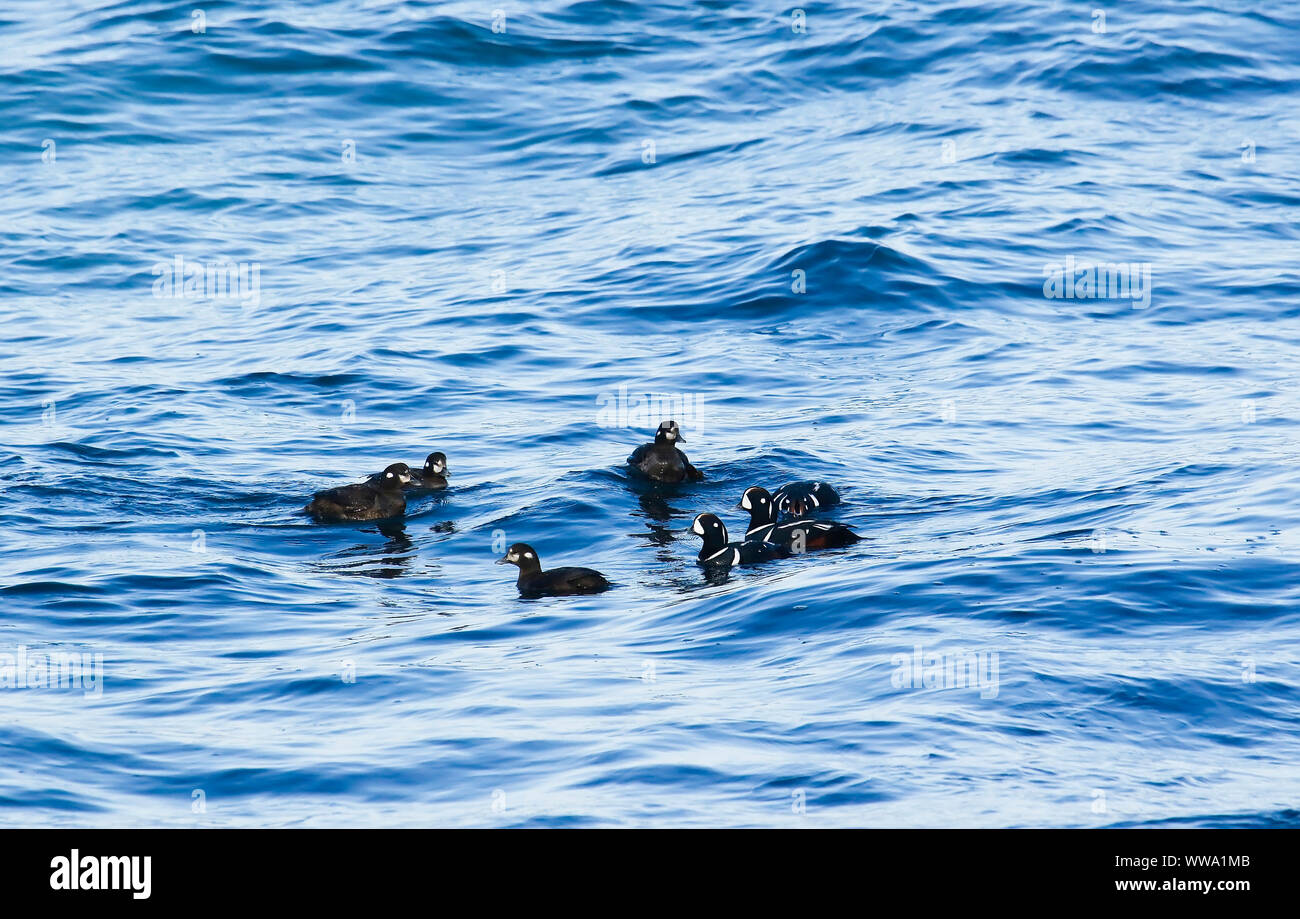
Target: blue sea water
x,y
822,236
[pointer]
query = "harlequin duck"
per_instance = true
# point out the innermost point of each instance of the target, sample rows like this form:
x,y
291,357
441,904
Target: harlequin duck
x,y
434,474
661,461
797,535
367,501
800,498
534,582
717,551
431,478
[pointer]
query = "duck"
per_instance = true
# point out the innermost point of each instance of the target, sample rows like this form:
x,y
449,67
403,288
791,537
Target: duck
x,y
800,535
431,477
558,582
434,474
718,551
798,499
378,499
662,461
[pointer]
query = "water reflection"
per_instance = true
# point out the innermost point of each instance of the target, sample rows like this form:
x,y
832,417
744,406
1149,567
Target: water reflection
x,y
391,559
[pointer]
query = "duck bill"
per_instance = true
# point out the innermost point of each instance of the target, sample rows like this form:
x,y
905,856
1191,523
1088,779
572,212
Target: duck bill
x,y
503,561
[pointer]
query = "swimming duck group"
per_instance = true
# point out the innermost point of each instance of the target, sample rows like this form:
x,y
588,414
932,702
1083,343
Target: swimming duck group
x,y
781,524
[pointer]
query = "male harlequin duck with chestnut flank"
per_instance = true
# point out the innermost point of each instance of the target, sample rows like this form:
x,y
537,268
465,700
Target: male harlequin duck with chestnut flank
x,y
800,498
661,461
717,551
558,582
375,500
797,535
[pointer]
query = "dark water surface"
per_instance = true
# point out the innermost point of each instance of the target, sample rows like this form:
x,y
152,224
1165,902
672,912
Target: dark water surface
x,y
826,248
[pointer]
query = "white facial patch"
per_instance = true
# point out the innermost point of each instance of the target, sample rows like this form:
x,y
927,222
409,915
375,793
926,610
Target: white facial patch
x,y
697,527
744,502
